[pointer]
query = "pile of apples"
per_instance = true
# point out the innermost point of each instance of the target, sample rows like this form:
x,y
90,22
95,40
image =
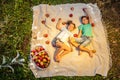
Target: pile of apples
x,y
40,57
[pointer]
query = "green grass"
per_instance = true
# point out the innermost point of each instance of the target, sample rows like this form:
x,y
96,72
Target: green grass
x,y
15,35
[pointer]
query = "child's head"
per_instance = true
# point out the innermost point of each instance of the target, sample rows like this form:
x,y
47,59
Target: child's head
x,y
71,26
85,19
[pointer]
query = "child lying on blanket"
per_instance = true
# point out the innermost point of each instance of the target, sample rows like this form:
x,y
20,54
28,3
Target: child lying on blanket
x,y
62,39
84,35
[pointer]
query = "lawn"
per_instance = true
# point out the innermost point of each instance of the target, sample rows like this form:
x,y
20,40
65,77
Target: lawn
x,y
15,33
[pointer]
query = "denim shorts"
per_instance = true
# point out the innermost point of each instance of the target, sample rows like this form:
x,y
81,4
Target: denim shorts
x,y
84,40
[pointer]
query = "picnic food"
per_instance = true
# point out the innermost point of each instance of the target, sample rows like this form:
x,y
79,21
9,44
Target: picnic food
x,y
45,35
71,15
75,35
40,57
47,15
53,19
72,8
43,21
47,42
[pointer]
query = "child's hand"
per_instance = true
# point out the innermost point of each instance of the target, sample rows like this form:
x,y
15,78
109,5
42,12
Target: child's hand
x,y
84,9
63,23
59,19
75,35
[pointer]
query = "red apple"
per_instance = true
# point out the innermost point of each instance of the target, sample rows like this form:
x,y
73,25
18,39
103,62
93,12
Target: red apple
x,y
47,15
45,35
75,35
47,42
71,15
37,63
33,51
35,60
92,24
42,66
41,48
47,58
72,8
37,55
45,53
53,19
41,59
43,21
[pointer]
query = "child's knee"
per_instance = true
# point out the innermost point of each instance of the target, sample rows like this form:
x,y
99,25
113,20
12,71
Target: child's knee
x,y
69,49
80,46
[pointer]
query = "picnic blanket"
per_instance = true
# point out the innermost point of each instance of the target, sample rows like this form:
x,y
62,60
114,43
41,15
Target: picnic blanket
x,y
44,30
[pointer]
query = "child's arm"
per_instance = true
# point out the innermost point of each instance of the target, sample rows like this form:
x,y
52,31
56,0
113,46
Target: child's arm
x,y
71,46
58,26
87,14
79,33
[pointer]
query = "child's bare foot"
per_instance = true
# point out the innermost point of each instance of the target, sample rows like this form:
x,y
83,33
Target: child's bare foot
x,y
93,51
91,54
57,59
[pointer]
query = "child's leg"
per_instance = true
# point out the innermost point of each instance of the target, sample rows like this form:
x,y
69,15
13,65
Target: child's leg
x,y
58,43
64,53
63,49
73,42
67,49
85,43
80,52
87,50
58,52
